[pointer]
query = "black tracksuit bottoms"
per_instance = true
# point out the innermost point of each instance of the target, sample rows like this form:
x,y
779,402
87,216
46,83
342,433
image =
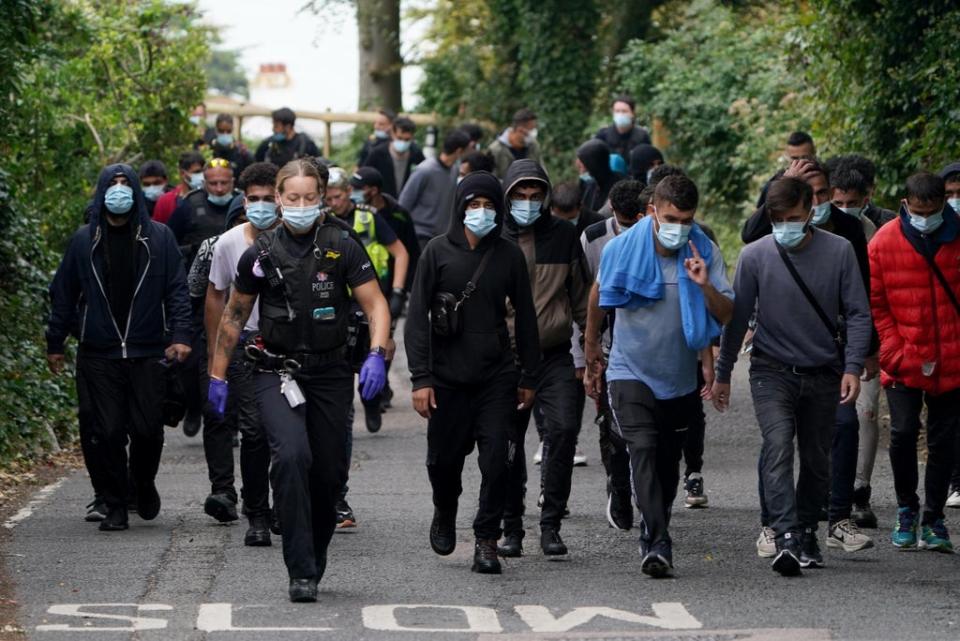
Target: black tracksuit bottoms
x,y
654,431
307,459
556,388
120,400
465,415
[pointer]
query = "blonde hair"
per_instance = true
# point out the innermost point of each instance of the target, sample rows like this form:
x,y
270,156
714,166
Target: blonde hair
x,y
299,167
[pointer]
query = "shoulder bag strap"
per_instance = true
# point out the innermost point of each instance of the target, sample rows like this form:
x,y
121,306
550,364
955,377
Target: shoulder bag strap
x,y
471,284
807,293
943,280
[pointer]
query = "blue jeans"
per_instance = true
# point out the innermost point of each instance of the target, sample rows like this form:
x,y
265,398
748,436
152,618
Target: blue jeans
x,y
791,405
843,461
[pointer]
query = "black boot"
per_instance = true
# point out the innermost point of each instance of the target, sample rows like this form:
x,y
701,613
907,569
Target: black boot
x,y
512,546
116,519
443,532
485,559
258,534
275,522
862,514
148,501
303,590
373,417
222,507
551,543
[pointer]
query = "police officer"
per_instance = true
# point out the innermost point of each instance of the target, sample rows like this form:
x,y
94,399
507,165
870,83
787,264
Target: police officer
x,y
304,383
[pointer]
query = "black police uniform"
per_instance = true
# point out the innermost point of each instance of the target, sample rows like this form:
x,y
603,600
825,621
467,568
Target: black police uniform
x,y
304,321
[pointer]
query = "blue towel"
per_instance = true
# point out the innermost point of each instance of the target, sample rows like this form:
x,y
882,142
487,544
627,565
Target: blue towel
x,y
630,278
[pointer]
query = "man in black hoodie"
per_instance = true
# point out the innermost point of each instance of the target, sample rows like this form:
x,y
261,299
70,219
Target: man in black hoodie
x,y
468,384
624,134
596,177
121,282
555,264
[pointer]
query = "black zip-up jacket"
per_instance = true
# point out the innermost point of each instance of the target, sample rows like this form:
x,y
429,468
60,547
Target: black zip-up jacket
x,y
482,352
160,309
623,143
554,259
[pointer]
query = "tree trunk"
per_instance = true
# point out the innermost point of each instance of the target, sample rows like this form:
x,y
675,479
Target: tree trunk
x,y
378,25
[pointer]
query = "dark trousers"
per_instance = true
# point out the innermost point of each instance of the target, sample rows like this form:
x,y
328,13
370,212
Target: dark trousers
x,y
120,401
375,404
613,451
843,461
943,415
193,370
791,405
955,477
307,457
465,416
556,384
241,414
654,431
693,443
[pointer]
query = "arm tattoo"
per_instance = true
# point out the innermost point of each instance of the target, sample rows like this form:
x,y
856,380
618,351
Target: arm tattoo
x,y
231,324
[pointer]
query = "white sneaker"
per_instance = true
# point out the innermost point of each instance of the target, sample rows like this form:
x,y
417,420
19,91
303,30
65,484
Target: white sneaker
x,y
767,543
845,535
579,458
954,499
538,457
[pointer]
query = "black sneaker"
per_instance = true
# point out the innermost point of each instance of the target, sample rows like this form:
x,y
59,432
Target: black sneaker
x,y
373,417
148,502
443,532
862,514
192,423
115,520
386,397
551,543
787,560
620,509
303,590
275,522
693,486
222,507
345,517
258,534
658,562
512,545
96,510
810,556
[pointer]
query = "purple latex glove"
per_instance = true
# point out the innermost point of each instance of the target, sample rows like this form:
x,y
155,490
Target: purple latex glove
x,y
373,376
217,395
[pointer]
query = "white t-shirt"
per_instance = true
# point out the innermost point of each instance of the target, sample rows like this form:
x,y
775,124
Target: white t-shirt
x,y
223,268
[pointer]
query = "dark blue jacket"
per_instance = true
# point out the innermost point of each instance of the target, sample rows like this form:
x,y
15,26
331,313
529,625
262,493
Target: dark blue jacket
x,y
160,311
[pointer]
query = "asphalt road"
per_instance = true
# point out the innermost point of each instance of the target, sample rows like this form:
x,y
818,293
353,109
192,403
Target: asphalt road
x,y
183,576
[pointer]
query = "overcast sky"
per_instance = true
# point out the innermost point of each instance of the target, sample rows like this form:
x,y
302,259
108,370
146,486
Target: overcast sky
x,y
320,51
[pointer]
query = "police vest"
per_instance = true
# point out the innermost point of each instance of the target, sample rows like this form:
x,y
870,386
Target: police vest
x,y
205,223
306,306
365,225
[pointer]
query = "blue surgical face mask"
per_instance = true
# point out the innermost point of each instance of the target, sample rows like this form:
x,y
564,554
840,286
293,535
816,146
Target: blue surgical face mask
x,y
153,192
586,177
480,221
622,120
672,236
926,225
650,174
194,120
525,212
196,180
224,140
954,204
220,200
357,196
789,234
401,146
852,211
279,137
119,199
262,214
821,214
379,134
301,218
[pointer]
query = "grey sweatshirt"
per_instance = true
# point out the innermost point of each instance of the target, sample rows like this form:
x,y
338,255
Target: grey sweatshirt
x,y
428,196
788,328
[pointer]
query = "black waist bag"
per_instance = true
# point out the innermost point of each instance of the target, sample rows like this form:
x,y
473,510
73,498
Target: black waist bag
x,y
446,317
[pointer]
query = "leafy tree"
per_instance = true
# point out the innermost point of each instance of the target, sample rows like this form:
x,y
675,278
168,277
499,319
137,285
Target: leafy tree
x,y
225,73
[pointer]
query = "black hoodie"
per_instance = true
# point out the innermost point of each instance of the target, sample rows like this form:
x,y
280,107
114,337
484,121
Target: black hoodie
x,y
482,352
595,156
160,308
555,263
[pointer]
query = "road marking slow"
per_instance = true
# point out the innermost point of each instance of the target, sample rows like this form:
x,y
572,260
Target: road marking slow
x,y
27,510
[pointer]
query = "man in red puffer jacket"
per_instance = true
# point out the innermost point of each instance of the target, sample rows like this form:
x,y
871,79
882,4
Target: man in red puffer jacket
x,y
915,288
